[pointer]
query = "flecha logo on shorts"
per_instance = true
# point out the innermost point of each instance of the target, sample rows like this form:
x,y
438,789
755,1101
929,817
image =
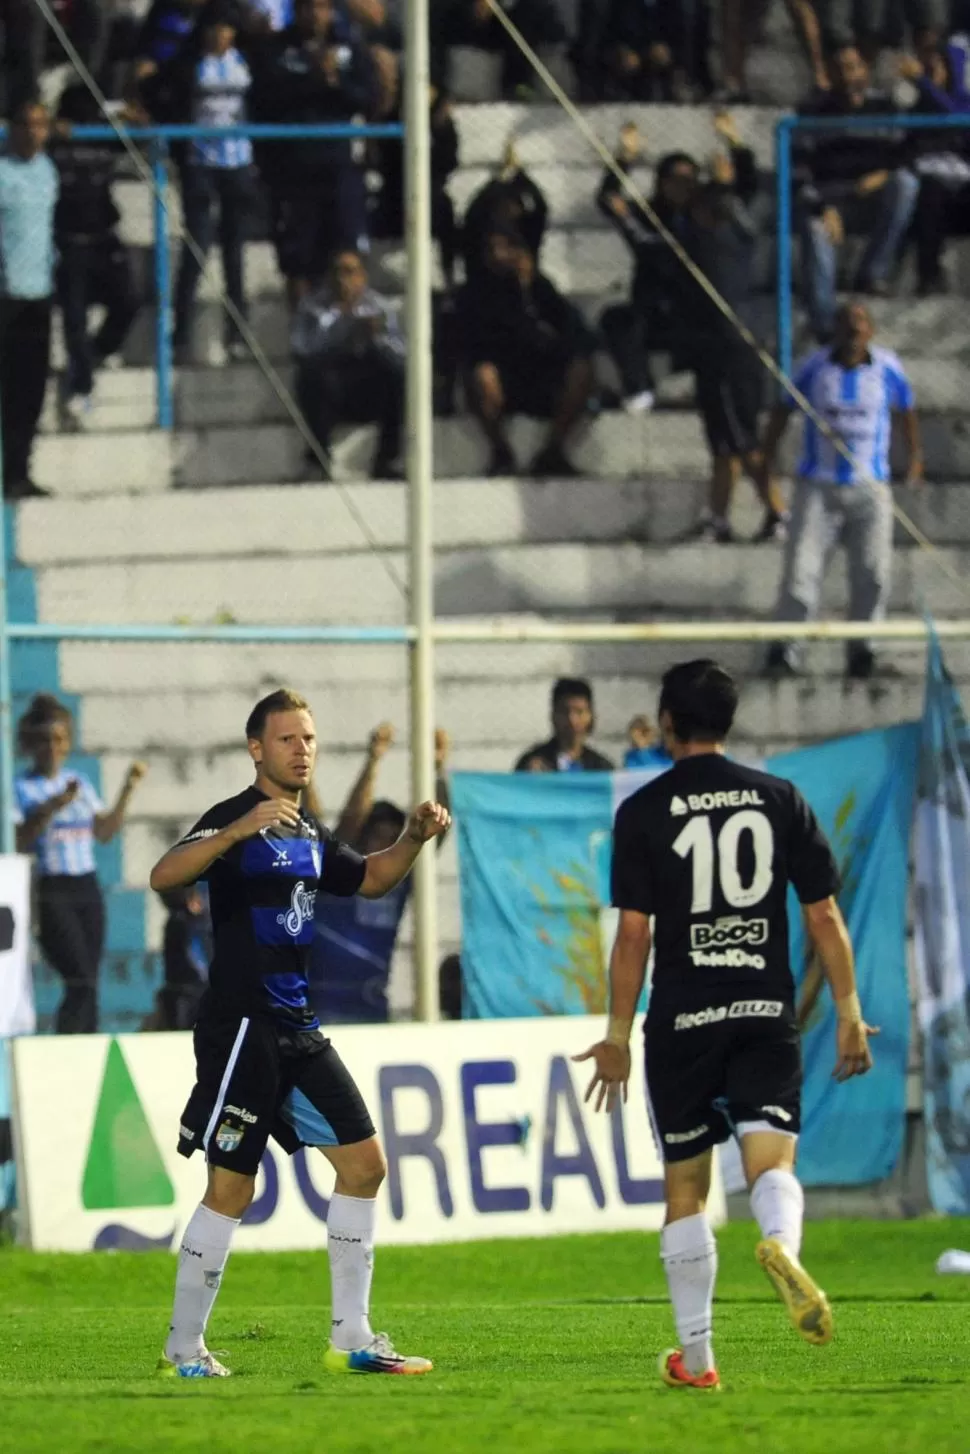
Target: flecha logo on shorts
x,y
676,1138
736,798
726,933
228,1137
301,909
693,1020
242,1114
777,1112
755,1010
727,959
678,808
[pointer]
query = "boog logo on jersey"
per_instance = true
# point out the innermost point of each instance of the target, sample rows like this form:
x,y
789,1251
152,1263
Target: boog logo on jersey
x,y
301,909
717,945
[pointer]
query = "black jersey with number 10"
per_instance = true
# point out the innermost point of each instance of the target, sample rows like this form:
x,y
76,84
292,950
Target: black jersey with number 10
x,y
709,848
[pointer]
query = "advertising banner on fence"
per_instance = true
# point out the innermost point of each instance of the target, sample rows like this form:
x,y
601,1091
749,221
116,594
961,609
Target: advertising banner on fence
x,y
941,850
534,859
483,1125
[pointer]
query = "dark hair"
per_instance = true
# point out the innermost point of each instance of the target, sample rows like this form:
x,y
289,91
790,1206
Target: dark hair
x,y
385,811
668,163
29,103
45,709
571,687
701,698
282,700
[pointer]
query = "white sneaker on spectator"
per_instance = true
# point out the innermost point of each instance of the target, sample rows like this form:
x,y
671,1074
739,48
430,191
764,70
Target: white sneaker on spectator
x,y
112,363
73,411
640,403
237,352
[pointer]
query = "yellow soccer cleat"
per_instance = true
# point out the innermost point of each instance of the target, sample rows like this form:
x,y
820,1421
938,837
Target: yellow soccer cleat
x,y
205,1366
675,1375
806,1304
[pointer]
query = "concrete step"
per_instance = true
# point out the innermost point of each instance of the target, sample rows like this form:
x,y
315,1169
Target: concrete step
x,y
467,513
124,669
478,716
667,445
631,580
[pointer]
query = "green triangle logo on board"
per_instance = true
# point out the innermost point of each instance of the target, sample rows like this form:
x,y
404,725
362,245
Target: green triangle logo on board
x,y
124,1167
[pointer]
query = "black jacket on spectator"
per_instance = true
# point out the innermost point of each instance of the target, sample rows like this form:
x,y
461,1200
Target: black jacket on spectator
x,y
85,206
656,269
548,753
828,164
166,28
290,89
504,323
724,252
513,201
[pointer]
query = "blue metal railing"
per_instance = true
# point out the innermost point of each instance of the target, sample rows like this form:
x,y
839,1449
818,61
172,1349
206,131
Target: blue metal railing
x,y
159,139
784,131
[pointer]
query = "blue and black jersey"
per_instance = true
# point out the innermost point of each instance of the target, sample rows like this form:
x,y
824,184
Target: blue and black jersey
x,y
261,898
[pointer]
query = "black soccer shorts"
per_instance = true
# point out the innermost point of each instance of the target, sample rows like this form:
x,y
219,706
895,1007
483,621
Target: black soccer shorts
x,y
726,1061
256,1079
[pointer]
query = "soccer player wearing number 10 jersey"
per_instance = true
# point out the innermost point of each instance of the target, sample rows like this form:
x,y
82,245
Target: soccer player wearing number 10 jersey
x,y
707,851
263,1067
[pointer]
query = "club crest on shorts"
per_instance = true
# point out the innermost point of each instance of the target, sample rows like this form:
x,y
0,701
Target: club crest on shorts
x,y
228,1137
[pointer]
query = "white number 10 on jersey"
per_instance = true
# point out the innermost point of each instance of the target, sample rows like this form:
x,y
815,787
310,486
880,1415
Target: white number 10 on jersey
x,y
696,841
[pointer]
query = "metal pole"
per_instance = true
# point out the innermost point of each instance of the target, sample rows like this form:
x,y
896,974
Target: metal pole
x,y
783,132
163,287
419,424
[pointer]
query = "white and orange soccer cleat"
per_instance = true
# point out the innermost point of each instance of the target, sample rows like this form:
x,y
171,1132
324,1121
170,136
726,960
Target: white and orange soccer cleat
x,y
675,1375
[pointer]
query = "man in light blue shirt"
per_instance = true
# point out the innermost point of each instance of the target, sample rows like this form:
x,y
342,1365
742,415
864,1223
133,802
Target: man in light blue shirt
x,y
842,491
28,195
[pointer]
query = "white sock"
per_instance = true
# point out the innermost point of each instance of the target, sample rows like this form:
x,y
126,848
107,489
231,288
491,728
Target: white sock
x,y
778,1203
202,1259
689,1254
350,1246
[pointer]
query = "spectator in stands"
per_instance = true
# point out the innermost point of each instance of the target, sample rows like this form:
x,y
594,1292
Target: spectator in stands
x,y
28,197
93,265
350,357
851,182
573,723
319,70
526,350
353,939
646,747
740,19
855,388
166,28
388,220
471,23
510,200
649,322
186,953
29,45
208,84
942,159
868,24
720,235
653,50
59,818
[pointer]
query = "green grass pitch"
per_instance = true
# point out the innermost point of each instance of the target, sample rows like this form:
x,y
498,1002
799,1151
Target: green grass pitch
x,y
541,1347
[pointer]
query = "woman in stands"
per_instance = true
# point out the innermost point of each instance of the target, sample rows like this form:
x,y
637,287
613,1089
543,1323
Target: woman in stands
x,y
60,817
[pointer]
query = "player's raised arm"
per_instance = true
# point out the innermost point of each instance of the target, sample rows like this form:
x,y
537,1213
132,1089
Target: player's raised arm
x,y
827,931
386,869
189,859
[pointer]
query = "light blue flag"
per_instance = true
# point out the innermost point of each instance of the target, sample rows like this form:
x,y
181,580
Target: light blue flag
x,y
861,789
942,859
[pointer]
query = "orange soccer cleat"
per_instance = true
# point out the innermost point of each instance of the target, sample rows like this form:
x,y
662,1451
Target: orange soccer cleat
x,y
675,1375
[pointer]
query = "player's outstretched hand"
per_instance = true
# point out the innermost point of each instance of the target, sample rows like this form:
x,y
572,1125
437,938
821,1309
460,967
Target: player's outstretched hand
x,y
429,820
853,1055
273,813
611,1075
